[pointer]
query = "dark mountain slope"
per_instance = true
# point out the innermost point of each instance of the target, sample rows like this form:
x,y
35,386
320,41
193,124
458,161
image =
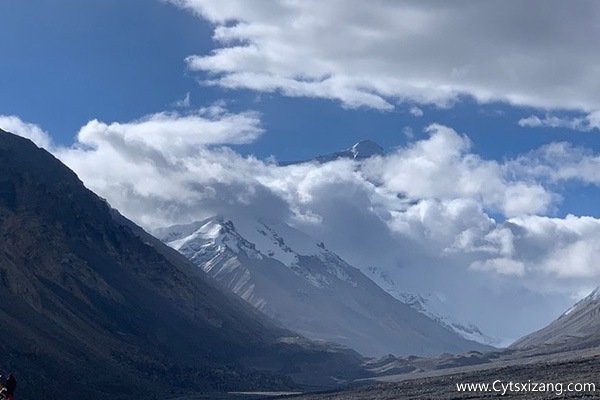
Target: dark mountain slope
x,y
87,308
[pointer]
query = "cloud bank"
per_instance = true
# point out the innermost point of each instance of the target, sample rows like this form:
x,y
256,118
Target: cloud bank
x,y
381,53
433,215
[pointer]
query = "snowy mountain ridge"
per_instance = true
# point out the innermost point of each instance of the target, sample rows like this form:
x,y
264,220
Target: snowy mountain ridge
x,y
431,305
259,240
296,280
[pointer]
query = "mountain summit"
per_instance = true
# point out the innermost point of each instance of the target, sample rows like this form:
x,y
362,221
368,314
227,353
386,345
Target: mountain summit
x,y
364,149
359,151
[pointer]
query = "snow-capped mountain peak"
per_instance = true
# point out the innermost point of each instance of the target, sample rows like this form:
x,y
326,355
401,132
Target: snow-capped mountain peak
x,y
365,149
296,280
359,151
258,239
215,231
278,240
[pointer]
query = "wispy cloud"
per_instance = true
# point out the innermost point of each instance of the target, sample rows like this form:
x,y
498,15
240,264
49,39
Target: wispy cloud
x,y
185,102
585,123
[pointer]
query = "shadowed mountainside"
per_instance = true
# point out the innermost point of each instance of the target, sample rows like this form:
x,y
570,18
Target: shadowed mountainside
x,y
91,307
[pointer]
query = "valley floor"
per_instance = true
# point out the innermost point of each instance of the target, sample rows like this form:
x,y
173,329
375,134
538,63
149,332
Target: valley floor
x,y
236,396
554,370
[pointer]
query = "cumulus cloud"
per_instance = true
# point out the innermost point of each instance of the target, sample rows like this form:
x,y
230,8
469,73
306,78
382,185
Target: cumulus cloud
x,y
443,167
548,250
378,53
421,214
12,123
166,166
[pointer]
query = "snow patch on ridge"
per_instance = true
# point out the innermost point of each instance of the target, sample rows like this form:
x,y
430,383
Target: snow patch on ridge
x,y
432,305
592,297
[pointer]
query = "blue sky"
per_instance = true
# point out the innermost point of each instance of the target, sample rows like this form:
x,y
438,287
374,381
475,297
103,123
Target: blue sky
x,y
71,61
484,115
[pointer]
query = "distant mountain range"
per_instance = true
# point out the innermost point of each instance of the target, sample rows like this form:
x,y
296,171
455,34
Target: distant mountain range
x,y
296,280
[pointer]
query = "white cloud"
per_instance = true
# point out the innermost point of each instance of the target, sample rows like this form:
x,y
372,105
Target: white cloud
x,y
421,213
557,162
378,53
442,167
504,266
549,250
585,123
177,133
185,102
13,124
416,112
165,167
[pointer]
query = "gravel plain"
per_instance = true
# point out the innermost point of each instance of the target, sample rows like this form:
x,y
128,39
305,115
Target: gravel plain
x,y
581,370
